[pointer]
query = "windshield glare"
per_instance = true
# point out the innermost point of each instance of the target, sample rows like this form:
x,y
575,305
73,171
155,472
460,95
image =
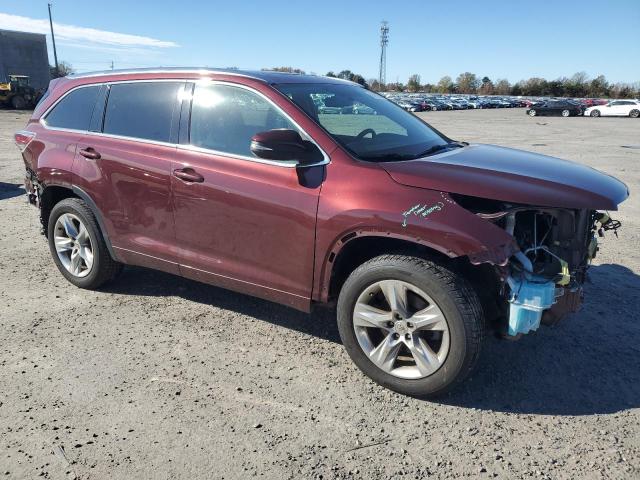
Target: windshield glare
x,y
366,124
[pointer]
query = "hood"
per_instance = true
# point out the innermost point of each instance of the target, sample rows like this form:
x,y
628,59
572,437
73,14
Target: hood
x,y
513,176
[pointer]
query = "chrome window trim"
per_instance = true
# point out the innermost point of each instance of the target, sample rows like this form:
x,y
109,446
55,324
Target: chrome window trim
x,y
193,148
326,159
132,139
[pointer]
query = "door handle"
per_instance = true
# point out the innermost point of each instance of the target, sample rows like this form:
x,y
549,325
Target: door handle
x,y
188,175
89,153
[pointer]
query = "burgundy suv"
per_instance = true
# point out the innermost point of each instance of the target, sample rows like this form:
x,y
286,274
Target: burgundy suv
x,y
252,182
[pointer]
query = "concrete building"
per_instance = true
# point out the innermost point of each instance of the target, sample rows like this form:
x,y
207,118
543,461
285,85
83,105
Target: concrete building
x,y
23,53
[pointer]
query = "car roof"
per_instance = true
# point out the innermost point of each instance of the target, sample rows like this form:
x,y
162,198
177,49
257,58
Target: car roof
x,y
267,76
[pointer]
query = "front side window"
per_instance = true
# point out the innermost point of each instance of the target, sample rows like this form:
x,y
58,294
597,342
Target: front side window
x,y
74,110
142,109
224,118
369,126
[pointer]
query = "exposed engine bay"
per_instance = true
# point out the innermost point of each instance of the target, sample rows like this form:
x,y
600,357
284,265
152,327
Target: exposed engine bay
x,y
543,281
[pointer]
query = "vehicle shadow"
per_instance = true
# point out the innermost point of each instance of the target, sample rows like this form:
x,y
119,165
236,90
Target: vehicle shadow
x,y
10,190
587,364
141,281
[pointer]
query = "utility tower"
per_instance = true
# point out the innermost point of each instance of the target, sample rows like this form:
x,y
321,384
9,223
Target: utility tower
x,y
384,41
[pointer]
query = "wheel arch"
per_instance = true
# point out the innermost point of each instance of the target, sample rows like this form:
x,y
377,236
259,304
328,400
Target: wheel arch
x,y
355,248
49,197
53,194
484,278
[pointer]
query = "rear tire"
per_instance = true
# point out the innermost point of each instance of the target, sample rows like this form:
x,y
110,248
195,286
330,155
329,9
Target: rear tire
x,y
566,113
91,274
634,113
412,369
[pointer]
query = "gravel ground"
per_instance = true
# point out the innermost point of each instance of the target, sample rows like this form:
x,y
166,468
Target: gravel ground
x,y
160,377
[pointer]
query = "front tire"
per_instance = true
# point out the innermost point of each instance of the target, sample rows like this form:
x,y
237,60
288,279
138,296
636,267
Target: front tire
x,y
532,113
18,102
411,325
77,246
634,113
595,113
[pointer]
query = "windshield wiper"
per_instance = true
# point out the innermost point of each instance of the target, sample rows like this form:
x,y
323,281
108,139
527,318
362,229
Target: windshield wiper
x,y
388,157
440,148
393,157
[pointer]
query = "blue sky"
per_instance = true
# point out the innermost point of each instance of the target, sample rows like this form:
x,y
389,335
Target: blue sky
x,y
511,39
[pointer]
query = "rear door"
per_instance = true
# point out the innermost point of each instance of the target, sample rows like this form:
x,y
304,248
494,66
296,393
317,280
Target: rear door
x,y
241,222
63,126
124,164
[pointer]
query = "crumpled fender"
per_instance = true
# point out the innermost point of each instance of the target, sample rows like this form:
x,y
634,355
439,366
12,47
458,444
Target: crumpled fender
x,y
425,217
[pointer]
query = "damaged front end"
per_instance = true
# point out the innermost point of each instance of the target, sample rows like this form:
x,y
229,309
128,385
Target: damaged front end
x,y
543,282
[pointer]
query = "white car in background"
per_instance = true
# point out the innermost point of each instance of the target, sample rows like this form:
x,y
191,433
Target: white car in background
x,y
615,108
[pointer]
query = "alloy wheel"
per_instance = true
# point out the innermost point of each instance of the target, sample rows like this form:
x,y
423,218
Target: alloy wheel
x,y
566,113
401,329
73,245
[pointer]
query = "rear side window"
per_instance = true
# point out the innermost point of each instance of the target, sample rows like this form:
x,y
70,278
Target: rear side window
x,y
74,110
142,109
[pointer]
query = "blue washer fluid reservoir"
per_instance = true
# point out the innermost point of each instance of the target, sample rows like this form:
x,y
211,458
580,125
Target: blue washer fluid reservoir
x,y
529,298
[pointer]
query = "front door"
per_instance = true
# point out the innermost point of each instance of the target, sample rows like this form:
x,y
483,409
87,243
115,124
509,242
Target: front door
x,y
241,223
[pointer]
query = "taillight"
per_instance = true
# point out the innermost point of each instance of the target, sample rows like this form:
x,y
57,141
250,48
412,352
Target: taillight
x,y
23,138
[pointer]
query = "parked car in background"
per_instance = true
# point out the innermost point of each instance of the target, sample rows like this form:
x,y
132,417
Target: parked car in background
x,y
361,109
562,108
615,108
410,106
238,179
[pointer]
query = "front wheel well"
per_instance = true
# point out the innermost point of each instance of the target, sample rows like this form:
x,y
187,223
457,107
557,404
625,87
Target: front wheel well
x,y
360,249
485,278
49,197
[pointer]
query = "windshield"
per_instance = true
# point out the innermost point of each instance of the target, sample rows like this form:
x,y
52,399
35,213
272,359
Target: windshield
x,y
369,126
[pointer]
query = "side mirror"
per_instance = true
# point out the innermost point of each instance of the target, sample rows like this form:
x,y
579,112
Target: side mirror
x,y
284,144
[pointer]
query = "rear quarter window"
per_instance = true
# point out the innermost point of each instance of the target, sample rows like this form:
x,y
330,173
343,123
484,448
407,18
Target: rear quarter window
x,y
74,110
142,110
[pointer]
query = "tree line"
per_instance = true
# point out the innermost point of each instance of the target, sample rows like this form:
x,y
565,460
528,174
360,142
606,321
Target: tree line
x,y
578,85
